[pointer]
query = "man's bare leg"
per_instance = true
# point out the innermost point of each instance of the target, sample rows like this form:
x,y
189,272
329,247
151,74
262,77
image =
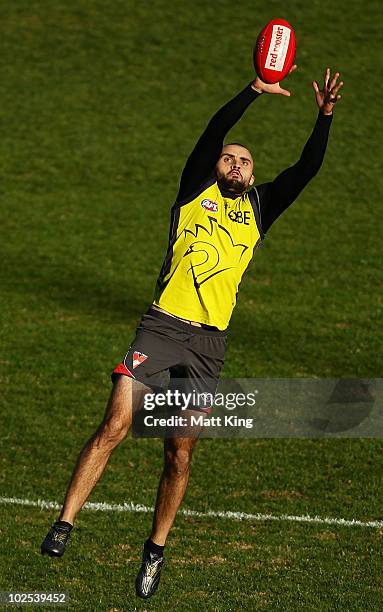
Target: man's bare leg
x,y
178,451
173,483
174,479
126,396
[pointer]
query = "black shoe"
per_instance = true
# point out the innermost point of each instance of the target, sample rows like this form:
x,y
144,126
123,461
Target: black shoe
x,y
148,578
55,541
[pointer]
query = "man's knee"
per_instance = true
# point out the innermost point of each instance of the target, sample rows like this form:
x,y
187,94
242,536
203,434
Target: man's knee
x,y
111,432
178,460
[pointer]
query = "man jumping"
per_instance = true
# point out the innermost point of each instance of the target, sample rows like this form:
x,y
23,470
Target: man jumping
x,y
217,221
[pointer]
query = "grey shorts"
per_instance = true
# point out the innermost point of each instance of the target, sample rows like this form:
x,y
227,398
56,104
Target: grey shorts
x,y
169,353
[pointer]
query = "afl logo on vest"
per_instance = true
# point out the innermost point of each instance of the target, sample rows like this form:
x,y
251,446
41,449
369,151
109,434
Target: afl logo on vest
x,y
209,205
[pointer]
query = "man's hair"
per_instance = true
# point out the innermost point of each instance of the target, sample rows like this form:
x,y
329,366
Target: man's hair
x,y
238,144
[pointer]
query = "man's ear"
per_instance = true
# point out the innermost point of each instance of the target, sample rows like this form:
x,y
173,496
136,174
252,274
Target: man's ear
x,y
252,179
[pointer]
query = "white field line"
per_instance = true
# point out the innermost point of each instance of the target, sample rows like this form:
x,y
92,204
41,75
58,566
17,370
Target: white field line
x,y
224,514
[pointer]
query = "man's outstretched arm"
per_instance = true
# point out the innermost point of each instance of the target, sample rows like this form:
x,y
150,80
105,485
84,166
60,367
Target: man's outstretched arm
x,y
202,160
275,197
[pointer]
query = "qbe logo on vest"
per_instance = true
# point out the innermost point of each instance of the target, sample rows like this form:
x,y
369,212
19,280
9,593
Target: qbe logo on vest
x,y
278,48
209,205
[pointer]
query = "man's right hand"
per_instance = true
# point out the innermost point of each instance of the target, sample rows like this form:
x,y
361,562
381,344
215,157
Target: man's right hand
x,y
275,88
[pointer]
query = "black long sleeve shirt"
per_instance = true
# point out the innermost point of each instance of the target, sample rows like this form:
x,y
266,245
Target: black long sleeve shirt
x,y
274,197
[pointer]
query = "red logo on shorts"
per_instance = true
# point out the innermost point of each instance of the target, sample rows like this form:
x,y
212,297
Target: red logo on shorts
x,y
138,358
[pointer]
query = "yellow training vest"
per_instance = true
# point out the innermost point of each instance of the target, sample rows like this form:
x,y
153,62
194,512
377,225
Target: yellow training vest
x,y
211,242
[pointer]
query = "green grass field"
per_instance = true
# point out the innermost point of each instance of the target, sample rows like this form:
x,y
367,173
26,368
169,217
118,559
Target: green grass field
x,y
100,105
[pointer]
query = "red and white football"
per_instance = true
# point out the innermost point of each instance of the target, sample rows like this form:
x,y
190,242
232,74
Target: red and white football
x,y
274,51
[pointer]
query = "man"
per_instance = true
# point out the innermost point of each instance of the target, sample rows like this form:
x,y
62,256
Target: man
x,y
217,221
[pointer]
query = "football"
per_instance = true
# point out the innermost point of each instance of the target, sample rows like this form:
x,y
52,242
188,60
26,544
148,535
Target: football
x,y
274,51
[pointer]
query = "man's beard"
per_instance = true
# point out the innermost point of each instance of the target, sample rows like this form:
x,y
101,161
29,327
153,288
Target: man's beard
x,y
230,183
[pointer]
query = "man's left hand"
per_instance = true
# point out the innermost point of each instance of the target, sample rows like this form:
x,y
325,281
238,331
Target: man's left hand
x,y
328,96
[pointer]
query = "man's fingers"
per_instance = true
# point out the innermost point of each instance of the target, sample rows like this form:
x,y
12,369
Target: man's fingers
x,y
334,90
284,92
316,86
337,88
294,67
334,80
326,77
333,93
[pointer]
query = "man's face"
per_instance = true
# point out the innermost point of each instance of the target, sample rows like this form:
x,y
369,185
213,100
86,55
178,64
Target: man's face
x,y
234,169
